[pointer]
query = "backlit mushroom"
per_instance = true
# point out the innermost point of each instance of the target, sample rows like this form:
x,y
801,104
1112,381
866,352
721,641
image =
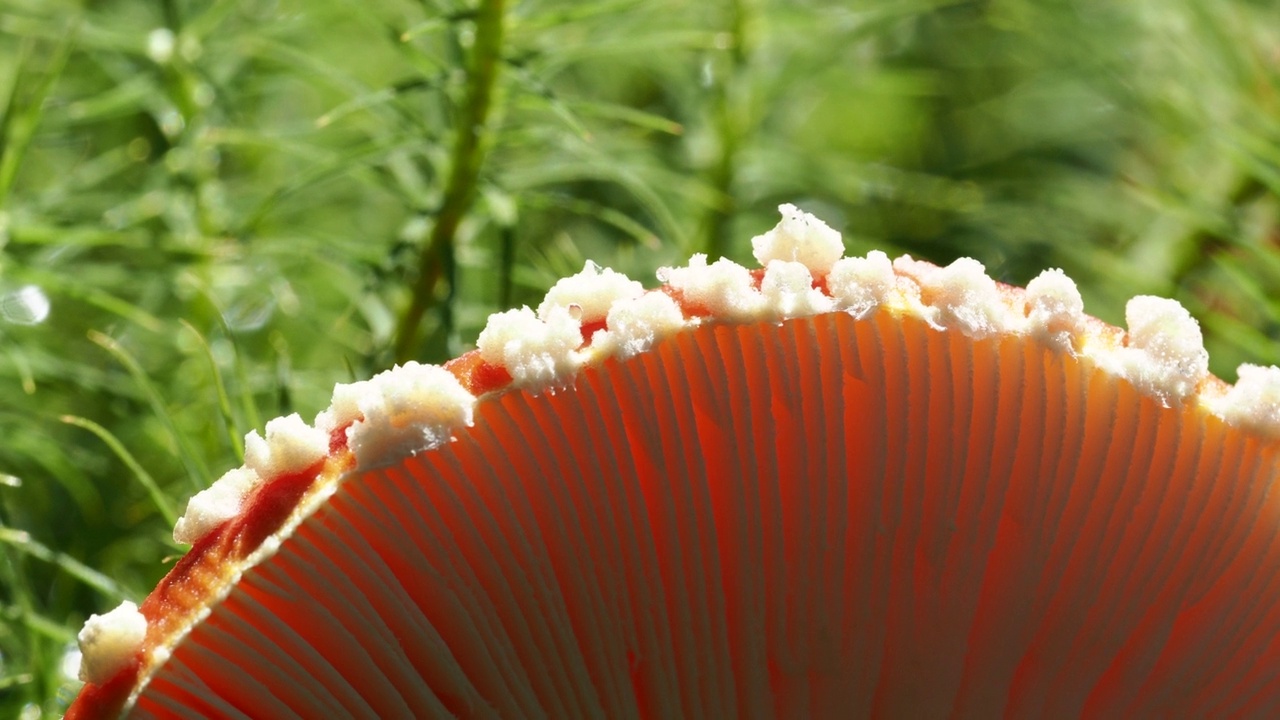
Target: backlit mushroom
x,y
829,487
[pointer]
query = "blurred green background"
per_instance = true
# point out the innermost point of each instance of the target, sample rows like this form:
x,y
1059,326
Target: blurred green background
x,y
210,212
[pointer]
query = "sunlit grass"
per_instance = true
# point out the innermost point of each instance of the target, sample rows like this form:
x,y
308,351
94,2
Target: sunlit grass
x,y
230,206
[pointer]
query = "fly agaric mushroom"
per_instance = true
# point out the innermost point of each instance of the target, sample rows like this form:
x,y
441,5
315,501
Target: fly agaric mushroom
x,y
830,487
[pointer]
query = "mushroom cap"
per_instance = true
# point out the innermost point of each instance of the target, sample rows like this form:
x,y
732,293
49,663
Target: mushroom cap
x,y
850,487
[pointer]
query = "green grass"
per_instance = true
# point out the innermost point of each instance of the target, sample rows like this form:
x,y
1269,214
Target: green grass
x,y
232,205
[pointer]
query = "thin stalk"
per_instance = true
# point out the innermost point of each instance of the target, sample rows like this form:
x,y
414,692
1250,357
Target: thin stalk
x,y
24,543
20,116
198,474
247,402
466,160
144,478
224,399
507,262
729,128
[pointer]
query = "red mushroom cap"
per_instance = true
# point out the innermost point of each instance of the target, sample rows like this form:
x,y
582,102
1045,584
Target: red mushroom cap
x,y
831,488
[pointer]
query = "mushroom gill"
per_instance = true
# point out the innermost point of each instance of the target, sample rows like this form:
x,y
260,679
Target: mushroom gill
x,y
831,487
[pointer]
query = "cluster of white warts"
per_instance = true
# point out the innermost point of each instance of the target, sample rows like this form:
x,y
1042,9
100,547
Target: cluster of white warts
x,y
414,407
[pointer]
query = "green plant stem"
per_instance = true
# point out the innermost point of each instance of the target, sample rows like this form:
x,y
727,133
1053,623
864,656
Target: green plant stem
x,y
20,116
467,158
27,545
197,472
729,126
148,483
224,399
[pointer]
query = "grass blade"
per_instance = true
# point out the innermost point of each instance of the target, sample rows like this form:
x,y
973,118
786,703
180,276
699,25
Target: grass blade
x,y
24,543
157,495
224,400
197,472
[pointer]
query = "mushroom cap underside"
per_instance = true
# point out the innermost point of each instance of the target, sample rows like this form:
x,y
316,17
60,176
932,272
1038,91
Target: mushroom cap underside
x,y
827,516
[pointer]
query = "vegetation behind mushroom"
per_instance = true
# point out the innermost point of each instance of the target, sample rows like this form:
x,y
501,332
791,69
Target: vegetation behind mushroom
x,y
270,178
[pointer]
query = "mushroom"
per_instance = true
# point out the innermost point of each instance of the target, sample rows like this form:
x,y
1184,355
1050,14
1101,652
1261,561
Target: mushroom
x,y
826,487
